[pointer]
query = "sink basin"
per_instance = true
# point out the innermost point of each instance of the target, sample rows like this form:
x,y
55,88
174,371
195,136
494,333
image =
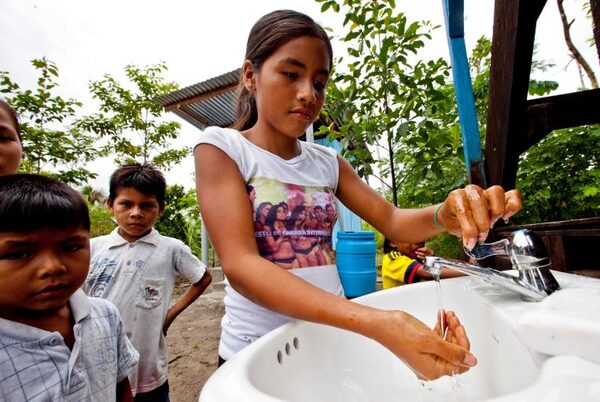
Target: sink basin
x,y
302,361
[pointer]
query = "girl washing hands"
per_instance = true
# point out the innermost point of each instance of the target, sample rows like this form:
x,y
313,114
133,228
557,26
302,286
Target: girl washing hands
x,y
282,89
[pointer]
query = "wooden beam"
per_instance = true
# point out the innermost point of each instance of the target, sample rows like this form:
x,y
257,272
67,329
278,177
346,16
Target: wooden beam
x,y
555,112
201,97
512,50
573,224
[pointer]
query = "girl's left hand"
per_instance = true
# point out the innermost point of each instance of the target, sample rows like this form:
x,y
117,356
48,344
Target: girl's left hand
x,y
471,212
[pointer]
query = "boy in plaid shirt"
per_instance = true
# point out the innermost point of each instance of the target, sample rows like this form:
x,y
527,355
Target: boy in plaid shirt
x,y
56,344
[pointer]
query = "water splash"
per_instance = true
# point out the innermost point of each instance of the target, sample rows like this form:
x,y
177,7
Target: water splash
x,y
456,382
424,391
445,389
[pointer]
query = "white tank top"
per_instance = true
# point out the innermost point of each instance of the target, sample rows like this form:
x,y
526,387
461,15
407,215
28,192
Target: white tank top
x,y
302,190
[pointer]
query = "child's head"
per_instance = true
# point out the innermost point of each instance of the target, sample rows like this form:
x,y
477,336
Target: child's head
x,y
144,178
267,36
407,249
10,140
136,199
44,244
31,202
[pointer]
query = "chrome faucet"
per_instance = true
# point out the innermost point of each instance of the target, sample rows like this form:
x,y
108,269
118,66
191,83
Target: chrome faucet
x,y
528,256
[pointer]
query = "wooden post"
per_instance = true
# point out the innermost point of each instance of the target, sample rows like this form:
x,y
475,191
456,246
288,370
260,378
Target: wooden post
x,y
512,50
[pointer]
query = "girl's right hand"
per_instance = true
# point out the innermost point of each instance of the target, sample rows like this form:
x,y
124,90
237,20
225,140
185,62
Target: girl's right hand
x,y
471,212
422,348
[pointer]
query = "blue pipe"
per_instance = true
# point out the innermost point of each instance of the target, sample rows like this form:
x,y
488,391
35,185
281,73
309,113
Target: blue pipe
x,y
463,89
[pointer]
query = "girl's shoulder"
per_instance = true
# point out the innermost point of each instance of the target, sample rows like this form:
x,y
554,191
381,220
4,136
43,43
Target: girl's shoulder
x,y
319,149
212,130
216,135
227,140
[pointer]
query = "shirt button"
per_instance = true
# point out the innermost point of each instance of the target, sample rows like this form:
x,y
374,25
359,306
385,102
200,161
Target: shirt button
x,y
53,341
131,245
128,262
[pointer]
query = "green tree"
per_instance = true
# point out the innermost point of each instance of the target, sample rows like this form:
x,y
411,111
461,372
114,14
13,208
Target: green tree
x,y
181,217
102,222
560,176
387,98
101,219
51,143
171,222
130,121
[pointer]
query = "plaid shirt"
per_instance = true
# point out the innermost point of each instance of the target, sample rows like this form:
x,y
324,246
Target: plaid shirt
x,y
36,365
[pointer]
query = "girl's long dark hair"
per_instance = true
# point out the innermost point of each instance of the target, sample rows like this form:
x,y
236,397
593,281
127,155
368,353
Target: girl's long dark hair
x,y
267,35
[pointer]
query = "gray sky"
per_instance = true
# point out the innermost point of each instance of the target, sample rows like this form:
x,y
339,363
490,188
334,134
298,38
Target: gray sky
x,y
201,39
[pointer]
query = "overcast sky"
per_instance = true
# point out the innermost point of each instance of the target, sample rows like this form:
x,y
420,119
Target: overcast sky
x,y
204,38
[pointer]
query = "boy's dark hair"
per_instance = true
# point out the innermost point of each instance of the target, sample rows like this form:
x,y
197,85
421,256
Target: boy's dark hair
x,y
31,202
267,35
144,178
387,247
14,116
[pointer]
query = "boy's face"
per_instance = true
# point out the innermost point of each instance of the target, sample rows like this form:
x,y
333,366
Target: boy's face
x,y
40,270
135,213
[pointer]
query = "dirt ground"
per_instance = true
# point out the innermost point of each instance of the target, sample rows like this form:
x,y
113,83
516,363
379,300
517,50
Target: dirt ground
x,y
193,342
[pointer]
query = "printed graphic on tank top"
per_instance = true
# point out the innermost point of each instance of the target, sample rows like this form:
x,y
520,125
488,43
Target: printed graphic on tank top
x,y
293,223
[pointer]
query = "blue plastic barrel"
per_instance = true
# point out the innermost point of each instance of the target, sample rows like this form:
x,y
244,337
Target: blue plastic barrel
x,y
355,257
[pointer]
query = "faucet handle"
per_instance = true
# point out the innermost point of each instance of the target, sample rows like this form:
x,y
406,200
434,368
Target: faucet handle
x,y
529,256
484,250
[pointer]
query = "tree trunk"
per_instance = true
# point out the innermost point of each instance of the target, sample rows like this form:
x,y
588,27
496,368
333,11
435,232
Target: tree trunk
x,y
595,7
574,52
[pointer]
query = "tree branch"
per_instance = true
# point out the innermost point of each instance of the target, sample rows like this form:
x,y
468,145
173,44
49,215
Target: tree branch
x,y
574,51
595,8
381,180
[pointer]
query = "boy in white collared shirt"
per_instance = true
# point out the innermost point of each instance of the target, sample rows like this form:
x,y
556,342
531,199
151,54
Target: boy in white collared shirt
x,y
56,344
135,267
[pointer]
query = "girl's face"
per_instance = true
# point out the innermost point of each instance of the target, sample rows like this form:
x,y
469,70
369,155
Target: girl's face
x,y
10,146
281,214
290,86
265,210
301,216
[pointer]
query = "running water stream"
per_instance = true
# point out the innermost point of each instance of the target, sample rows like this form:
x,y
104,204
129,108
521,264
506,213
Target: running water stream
x,y
440,312
428,390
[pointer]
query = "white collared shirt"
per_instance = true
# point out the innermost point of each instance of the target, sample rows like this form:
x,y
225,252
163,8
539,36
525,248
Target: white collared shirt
x,y
139,279
37,365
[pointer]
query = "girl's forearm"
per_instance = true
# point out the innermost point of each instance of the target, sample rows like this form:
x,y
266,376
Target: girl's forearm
x,y
411,225
289,295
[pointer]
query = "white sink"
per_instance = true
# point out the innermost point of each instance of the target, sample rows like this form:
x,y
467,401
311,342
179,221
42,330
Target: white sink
x,y
302,361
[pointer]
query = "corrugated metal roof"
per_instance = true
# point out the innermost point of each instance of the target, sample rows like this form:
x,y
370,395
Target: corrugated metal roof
x,y
215,104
